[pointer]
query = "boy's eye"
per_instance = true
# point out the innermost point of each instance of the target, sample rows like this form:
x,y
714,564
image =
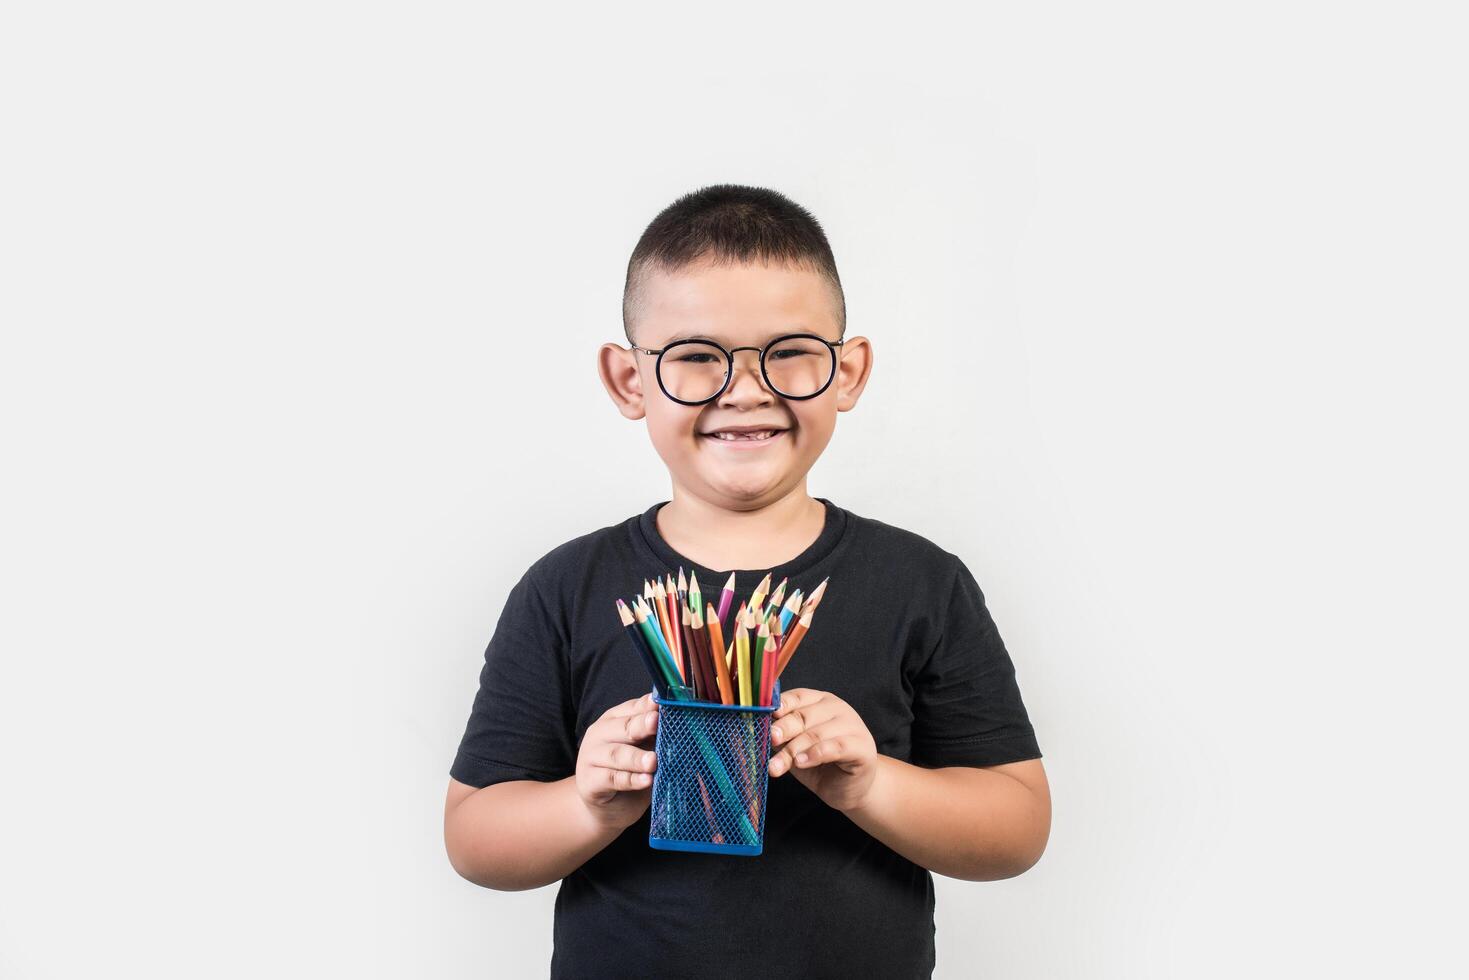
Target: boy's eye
x,y
699,358
788,353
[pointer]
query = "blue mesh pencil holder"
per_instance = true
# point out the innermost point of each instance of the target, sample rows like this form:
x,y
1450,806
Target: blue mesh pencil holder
x,y
709,785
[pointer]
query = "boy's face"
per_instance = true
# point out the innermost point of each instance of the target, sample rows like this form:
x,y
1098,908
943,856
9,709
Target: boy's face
x,y
737,305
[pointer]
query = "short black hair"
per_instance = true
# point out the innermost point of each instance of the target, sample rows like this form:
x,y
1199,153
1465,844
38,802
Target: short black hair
x,y
730,223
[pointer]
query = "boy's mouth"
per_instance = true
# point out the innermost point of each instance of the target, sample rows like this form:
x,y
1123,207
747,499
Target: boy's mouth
x,y
744,436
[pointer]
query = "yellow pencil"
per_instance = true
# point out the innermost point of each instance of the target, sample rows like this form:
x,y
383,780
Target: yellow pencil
x,y
758,596
716,648
742,653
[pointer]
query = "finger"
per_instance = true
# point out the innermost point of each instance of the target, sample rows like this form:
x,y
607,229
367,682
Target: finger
x,y
626,728
630,707
788,756
618,755
637,728
803,719
621,780
827,750
796,698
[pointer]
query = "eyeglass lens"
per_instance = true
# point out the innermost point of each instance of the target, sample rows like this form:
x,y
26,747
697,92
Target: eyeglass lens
x,y
797,367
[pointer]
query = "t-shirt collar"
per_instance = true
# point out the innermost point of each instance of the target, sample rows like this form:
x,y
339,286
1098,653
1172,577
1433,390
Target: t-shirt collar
x,y
832,533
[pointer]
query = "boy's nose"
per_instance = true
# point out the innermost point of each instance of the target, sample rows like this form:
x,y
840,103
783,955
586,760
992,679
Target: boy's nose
x,y
746,385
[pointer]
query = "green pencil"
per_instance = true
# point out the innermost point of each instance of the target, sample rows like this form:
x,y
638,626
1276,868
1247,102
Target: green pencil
x,y
660,652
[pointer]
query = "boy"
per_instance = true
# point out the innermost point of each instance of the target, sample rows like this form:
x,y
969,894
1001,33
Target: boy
x,y
901,745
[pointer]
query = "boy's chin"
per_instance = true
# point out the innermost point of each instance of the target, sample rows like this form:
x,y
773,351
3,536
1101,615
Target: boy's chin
x,y
750,486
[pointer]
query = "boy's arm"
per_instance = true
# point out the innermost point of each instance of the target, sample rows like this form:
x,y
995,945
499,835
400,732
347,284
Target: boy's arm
x,y
520,834
525,833
962,822
975,823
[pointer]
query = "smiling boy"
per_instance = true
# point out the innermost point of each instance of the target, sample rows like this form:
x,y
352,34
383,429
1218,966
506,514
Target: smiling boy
x,y
901,746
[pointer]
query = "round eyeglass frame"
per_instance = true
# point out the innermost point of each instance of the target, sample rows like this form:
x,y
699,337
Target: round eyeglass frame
x,y
729,353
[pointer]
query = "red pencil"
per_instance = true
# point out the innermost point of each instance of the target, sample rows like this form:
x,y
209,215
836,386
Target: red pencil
x,y
767,668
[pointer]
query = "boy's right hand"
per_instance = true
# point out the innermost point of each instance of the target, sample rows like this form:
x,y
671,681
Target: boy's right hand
x,y
614,767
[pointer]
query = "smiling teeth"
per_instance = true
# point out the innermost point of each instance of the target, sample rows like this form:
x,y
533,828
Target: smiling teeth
x,y
744,436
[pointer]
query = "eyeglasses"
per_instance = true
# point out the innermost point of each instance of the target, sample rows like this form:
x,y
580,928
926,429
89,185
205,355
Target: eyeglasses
x,y
796,366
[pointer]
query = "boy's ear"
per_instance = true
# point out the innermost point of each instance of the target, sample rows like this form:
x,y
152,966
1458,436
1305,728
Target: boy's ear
x,y
618,368
853,370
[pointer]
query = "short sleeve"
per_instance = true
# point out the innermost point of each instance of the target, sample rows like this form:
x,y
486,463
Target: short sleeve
x,y
520,725
967,709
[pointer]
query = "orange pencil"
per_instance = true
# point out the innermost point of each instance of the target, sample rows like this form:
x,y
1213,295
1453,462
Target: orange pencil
x,y
666,608
716,645
798,632
714,834
815,599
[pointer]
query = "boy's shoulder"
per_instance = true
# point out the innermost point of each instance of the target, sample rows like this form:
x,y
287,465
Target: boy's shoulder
x,y
900,540
583,551
917,559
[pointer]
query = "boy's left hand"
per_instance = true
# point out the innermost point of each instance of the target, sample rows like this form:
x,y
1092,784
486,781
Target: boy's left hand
x,y
824,742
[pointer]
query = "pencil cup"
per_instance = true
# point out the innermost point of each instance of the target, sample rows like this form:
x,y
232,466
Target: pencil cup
x,y
709,785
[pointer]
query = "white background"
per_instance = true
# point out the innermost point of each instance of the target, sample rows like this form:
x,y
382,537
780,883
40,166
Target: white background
x,y
1168,306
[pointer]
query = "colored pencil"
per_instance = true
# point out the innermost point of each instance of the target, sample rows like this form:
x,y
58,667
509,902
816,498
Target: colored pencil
x,y
726,599
794,641
709,691
757,649
675,601
647,629
650,664
683,590
721,669
705,629
696,598
660,606
791,609
658,649
776,598
758,596
706,657
742,655
815,599
714,834
767,666
655,644
640,603
691,647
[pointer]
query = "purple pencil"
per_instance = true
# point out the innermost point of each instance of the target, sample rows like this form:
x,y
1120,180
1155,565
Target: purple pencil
x,y
726,599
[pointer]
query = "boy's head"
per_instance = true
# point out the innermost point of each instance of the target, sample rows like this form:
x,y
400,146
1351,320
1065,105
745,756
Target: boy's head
x,y
741,267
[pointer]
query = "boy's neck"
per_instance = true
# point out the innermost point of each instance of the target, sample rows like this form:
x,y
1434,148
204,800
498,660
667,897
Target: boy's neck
x,y
719,538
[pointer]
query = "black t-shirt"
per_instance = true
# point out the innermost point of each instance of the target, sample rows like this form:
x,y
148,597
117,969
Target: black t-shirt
x,y
902,635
